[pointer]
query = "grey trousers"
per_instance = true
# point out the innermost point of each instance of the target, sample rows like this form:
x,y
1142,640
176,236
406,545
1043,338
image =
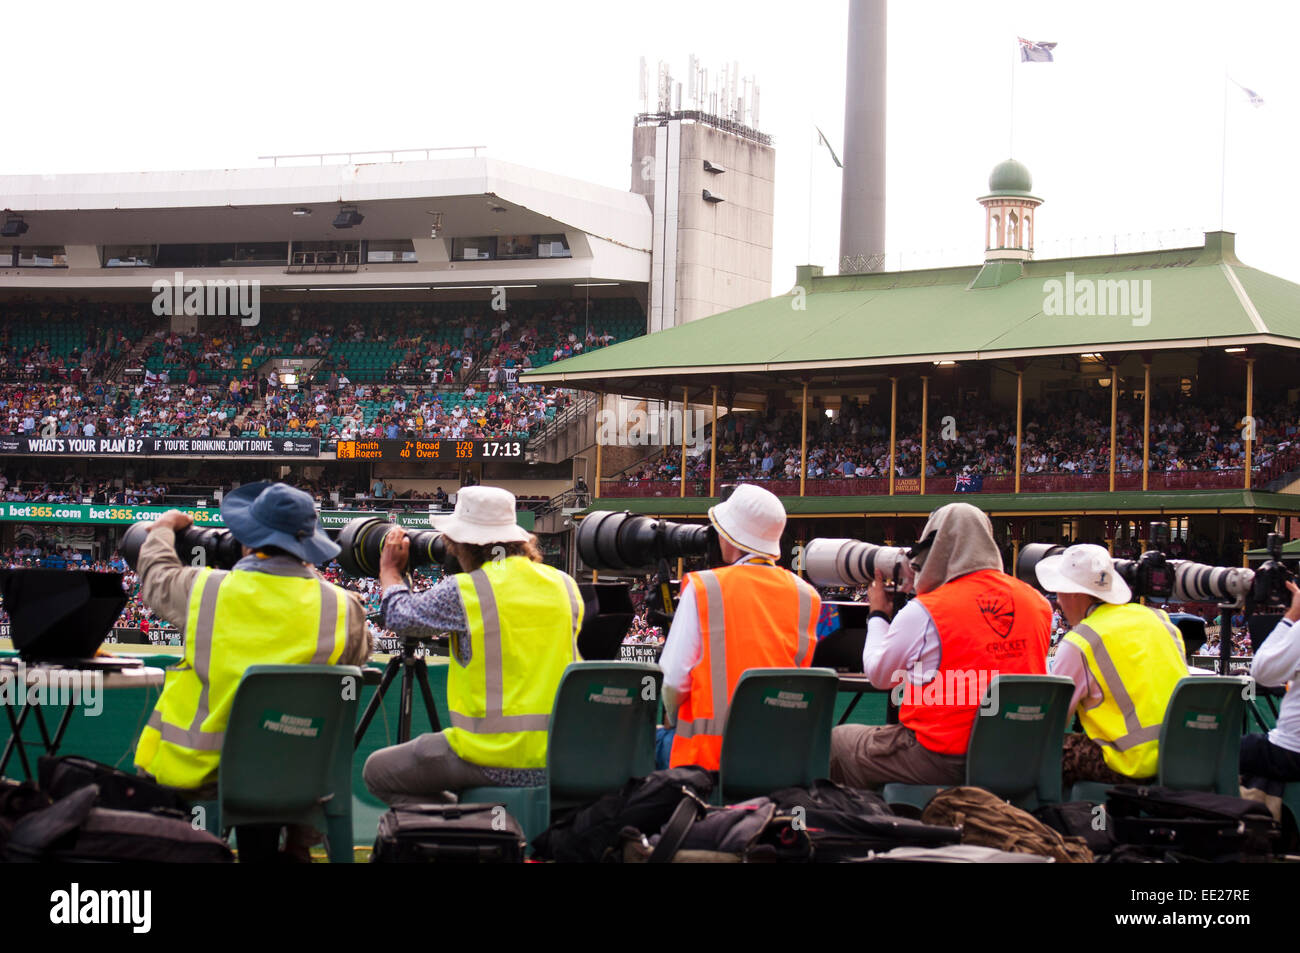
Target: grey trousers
x,y
871,756
424,770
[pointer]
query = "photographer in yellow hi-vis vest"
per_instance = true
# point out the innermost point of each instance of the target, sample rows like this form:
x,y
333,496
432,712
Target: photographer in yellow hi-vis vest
x,y
514,624
270,608
1124,659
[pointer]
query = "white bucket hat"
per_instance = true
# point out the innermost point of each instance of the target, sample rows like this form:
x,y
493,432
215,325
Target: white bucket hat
x,y
751,519
483,514
1084,567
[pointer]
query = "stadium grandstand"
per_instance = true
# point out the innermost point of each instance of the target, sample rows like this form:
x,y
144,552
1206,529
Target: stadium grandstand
x,y
867,400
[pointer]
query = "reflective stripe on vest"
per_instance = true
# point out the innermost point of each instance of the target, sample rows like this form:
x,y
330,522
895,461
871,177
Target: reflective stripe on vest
x,y
259,620
702,735
481,729
1159,671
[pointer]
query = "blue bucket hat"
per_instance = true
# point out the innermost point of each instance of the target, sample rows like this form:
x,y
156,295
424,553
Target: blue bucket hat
x,y
276,514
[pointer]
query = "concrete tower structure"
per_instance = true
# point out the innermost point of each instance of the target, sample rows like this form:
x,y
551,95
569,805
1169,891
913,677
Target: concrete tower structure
x,y
711,185
862,199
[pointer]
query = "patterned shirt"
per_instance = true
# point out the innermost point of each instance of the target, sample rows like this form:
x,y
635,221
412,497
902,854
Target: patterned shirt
x,y
435,611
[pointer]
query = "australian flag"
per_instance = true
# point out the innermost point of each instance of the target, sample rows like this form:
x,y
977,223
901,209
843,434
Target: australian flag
x,y
1031,52
969,483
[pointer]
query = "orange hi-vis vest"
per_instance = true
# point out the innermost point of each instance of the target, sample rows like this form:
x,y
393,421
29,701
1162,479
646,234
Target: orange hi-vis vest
x,y
753,615
989,624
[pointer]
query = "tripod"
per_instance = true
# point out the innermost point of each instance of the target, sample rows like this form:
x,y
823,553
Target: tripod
x,y
413,668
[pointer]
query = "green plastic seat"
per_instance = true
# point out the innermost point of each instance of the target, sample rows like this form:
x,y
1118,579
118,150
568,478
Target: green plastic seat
x,y
602,732
1200,739
1015,744
300,770
778,731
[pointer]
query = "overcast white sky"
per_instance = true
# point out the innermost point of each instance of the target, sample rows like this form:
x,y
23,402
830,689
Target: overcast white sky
x,y
1122,132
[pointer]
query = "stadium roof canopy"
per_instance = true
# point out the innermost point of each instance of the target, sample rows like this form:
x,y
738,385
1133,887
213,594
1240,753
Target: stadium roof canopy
x,y
608,230
838,329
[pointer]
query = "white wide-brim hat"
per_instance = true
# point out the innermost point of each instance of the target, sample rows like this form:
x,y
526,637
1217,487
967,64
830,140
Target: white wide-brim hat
x,y
1085,567
483,515
751,519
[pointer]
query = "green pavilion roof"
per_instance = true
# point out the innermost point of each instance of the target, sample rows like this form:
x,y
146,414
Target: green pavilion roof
x,y
1197,297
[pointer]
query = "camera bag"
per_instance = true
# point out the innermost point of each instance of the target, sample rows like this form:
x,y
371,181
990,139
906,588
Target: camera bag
x,y
74,830
1197,824
60,776
449,833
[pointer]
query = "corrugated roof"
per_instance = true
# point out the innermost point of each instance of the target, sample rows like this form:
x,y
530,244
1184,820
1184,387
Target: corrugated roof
x,y
1194,295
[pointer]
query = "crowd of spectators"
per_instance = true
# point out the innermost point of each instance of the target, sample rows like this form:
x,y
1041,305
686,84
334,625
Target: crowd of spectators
x,y
1066,434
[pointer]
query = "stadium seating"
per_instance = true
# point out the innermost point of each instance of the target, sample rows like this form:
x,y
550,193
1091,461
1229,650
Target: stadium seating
x,y
601,734
777,733
1200,739
312,780
1015,749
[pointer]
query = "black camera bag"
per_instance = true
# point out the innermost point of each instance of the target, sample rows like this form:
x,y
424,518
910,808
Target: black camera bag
x,y
1213,827
449,833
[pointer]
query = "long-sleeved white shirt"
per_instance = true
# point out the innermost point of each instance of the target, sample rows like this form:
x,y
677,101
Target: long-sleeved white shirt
x,y
684,646
1276,663
897,647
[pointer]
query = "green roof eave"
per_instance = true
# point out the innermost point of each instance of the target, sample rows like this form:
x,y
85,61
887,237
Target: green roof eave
x,y
1152,502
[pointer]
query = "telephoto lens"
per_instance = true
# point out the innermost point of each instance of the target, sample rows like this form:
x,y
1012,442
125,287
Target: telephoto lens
x,y
851,562
362,542
611,540
1196,582
195,546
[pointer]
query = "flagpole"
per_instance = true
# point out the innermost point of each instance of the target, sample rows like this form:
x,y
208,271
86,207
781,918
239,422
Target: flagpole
x,y
1223,156
1011,134
812,158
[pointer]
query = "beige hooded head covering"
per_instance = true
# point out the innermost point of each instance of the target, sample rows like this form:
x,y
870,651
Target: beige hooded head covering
x,y
962,543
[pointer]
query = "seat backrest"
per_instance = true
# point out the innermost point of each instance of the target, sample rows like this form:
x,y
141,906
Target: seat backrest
x,y
1015,742
290,726
602,728
1200,739
778,731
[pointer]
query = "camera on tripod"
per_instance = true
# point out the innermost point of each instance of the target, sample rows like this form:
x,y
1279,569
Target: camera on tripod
x,y
195,546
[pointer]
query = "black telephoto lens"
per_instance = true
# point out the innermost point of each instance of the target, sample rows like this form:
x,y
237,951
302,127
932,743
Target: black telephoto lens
x,y
610,540
362,542
195,546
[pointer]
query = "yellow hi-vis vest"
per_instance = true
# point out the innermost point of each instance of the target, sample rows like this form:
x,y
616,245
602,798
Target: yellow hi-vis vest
x,y
523,629
1136,655
281,614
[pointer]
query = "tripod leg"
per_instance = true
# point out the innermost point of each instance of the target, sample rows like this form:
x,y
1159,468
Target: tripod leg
x,y
422,673
377,699
407,697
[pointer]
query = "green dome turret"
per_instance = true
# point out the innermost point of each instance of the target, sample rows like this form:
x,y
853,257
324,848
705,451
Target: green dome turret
x,y
1010,178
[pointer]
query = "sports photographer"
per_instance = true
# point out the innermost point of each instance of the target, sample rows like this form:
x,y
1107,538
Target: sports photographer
x,y
1269,761
748,613
1124,659
270,608
969,622
514,623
